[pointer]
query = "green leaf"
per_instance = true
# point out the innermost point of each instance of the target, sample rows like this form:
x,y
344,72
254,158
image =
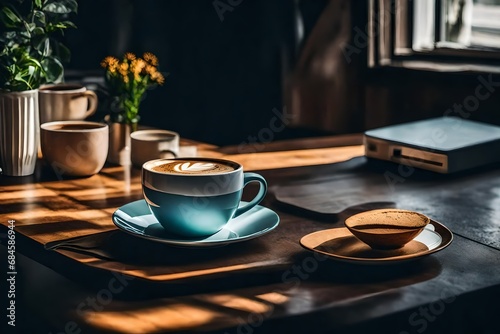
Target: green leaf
x,y
47,51
54,70
61,6
56,26
39,17
33,62
30,26
25,73
9,18
38,31
9,35
73,5
38,3
21,75
63,52
25,35
40,45
69,24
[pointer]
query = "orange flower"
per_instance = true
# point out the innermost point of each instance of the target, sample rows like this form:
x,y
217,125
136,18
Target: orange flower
x,y
129,78
150,58
129,56
110,63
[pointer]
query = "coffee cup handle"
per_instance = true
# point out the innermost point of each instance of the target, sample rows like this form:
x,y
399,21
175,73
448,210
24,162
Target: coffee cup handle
x,y
92,102
164,152
252,177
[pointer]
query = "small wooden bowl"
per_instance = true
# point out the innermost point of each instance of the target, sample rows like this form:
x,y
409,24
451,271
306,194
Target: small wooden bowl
x,y
386,228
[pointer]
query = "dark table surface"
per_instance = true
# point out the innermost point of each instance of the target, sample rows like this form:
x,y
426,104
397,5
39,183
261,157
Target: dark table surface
x,y
291,290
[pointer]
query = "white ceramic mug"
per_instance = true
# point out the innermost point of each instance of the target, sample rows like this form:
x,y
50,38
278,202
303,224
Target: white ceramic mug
x,y
153,144
66,102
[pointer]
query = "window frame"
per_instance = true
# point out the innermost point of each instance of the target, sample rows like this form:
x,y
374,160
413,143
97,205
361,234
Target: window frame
x,y
398,39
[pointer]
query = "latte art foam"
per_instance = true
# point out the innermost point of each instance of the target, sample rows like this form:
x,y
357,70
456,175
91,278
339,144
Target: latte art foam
x,y
193,167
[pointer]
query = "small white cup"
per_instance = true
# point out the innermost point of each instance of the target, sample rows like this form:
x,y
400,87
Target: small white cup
x,y
148,145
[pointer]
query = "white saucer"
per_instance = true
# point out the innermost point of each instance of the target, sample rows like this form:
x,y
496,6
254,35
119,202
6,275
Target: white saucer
x,y
341,244
136,218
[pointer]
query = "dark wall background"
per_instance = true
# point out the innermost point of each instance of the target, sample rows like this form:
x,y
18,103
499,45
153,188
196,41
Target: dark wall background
x,y
228,71
225,76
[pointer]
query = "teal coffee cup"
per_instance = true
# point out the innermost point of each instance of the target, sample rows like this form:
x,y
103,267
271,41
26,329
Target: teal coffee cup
x,y
195,197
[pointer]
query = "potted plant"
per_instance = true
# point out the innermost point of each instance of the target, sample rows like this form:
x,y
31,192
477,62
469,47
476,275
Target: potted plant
x,y
126,82
30,56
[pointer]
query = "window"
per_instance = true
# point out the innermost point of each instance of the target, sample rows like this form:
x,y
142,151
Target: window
x,y
439,35
471,24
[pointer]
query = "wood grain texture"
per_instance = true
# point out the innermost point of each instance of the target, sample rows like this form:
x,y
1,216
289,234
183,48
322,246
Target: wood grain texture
x,y
53,210
299,293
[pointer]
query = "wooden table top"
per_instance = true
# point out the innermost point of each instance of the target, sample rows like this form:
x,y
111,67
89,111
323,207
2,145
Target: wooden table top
x,y
292,291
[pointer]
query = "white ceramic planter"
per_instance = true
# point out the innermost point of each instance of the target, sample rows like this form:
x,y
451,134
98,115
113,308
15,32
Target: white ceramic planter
x,y
19,132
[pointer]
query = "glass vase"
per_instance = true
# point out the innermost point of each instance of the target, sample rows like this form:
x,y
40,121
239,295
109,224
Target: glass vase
x,y
119,143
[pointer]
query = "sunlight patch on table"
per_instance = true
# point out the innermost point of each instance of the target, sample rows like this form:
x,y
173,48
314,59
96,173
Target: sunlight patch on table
x,y
31,193
75,215
173,317
296,158
105,192
239,303
274,297
196,273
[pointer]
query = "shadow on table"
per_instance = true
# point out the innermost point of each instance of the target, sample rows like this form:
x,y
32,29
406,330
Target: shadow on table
x,y
153,269
393,275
